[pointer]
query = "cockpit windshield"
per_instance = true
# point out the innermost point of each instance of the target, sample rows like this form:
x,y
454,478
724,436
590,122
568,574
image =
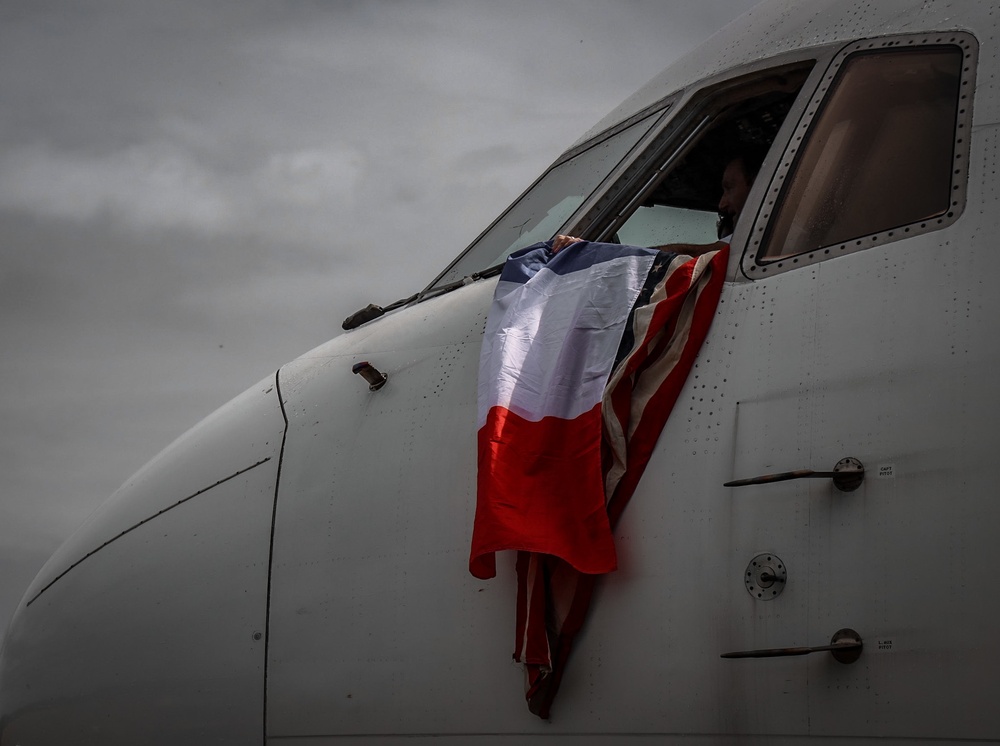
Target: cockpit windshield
x,y
546,207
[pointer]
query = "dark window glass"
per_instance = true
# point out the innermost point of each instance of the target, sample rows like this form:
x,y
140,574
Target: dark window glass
x,y
878,155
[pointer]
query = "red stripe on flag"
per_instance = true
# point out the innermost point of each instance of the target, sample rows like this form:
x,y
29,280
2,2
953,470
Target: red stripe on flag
x,y
654,415
535,640
541,489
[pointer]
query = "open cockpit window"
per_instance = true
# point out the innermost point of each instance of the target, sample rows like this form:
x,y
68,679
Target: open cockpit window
x,y
672,193
879,155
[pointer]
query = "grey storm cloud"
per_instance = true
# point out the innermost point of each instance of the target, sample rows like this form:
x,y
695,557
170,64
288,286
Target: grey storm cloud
x,y
193,193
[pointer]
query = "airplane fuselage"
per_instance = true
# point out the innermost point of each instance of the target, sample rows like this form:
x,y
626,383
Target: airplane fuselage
x,y
295,568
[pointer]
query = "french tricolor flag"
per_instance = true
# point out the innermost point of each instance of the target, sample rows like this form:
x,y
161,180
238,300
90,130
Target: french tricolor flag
x,y
584,355
551,339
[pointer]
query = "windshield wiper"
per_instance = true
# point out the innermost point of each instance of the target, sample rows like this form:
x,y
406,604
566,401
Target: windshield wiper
x,y
371,311
467,280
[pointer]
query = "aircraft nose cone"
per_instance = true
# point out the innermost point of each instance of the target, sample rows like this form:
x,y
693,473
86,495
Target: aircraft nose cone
x,y
148,625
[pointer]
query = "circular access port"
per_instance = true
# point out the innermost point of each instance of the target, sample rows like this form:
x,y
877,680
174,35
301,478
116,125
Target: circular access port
x,y
765,577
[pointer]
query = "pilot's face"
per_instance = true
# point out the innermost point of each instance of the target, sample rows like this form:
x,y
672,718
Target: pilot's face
x,y
734,191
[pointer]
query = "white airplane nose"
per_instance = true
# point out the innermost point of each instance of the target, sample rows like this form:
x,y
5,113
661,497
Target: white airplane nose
x,y
149,624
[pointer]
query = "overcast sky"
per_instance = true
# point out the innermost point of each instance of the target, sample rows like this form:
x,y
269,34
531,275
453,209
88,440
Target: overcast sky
x,y
194,192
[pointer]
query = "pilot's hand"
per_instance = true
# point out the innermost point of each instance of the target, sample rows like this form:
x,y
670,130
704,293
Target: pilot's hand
x,y
561,242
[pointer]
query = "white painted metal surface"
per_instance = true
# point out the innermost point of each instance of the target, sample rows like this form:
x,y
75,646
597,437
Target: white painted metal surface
x,y
375,631
157,637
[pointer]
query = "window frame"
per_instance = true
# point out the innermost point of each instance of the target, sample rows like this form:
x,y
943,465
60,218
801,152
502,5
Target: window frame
x,y
754,268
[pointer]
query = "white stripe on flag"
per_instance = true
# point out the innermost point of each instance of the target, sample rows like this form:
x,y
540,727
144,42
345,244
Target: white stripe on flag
x,y
550,349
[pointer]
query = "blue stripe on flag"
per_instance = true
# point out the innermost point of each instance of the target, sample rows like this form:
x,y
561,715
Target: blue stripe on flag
x,y
524,264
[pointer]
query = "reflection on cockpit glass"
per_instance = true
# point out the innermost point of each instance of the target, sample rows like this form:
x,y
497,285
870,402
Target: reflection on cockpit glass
x,y
549,204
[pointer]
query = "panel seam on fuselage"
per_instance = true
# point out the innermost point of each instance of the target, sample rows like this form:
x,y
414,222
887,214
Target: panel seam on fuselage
x,y
270,551
143,522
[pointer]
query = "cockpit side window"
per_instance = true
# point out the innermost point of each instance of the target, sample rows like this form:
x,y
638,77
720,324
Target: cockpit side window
x,y
879,155
680,202
654,179
673,192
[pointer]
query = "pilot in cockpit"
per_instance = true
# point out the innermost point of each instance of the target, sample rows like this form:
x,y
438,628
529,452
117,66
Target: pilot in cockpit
x,y
737,178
